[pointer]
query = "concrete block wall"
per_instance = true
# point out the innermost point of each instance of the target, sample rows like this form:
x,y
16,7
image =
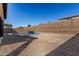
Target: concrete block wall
x,y
75,21
70,23
64,22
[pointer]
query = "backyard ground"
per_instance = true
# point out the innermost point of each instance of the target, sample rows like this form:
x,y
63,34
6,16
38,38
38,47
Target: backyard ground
x,y
61,43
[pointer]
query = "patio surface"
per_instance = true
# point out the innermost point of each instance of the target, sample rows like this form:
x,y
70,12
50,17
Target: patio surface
x,y
41,45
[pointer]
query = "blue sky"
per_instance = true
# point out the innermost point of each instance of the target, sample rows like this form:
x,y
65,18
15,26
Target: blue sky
x,y
22,14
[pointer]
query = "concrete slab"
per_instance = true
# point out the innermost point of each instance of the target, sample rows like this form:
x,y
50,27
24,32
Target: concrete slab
x,y
45,43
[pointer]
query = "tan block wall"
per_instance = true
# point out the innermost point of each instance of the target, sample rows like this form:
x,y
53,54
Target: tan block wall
x,y
67,23
75,21
42,28
64,22
60,24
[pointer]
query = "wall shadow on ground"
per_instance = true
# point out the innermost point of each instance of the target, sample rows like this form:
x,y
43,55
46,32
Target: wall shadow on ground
x,y
19,49
69,48
9,39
